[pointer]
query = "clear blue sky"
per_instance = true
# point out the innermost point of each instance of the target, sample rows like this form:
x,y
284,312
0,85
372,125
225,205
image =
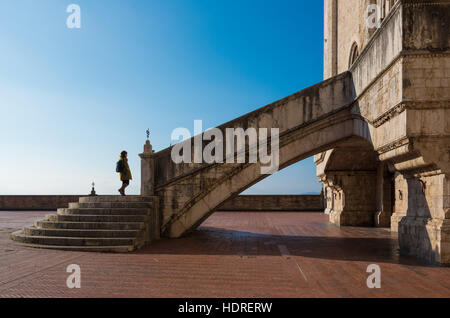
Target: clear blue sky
x,y
72,99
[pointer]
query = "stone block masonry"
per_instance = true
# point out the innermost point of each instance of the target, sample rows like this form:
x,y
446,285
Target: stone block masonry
x,y
401,81
240,203
36,202
272,203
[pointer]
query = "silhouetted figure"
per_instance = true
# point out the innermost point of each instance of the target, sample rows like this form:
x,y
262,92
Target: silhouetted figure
x,y
125,172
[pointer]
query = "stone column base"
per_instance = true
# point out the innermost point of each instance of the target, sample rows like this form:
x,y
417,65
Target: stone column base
x,y
352,218
395,220
425,238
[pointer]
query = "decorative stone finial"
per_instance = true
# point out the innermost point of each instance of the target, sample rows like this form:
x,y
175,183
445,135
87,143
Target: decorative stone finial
x,y
148,149
93,190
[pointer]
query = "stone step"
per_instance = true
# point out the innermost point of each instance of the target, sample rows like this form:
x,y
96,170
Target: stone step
x,y
94,224
81,233
90,225
98,249
95,218
104,211
116,198
124,205
19,236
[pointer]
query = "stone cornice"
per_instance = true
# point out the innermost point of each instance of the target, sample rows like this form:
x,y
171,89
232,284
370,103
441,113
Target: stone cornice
x,y
421,172
331,173
421,4
436,104
410,54
401,107
391,113
405,141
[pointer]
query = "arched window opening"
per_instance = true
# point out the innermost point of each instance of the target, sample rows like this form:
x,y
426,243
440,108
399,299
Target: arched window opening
x,y
354,53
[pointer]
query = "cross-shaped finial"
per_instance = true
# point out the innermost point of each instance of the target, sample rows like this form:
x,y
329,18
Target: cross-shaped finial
x,y
148,133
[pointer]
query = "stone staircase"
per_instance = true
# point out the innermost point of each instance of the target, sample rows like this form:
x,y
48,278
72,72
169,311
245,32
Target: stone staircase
x,y
97,224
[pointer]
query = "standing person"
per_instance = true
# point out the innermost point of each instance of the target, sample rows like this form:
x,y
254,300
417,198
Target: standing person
x,y
125,172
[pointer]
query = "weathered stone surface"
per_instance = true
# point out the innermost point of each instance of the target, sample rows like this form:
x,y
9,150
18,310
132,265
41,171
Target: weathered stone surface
x,y
98,224
309,121
273,203
379,127
401,83
35,202
396,79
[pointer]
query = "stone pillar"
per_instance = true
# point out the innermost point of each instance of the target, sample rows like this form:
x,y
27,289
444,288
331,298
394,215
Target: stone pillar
x,y
382,215
354,202
147,170
330,38
328,199
332,194
424,228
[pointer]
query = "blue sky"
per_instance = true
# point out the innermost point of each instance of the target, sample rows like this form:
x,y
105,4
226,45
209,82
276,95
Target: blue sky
x,y
72,99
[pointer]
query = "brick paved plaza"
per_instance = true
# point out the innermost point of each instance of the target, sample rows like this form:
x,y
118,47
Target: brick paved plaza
x,y
230,255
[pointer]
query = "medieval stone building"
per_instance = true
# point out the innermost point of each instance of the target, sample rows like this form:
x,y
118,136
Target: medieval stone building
x,y
378,126
398,177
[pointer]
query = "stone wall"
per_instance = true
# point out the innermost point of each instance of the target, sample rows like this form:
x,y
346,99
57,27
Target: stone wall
x,y
239,203
401,83
36,202
274,203
351,22
345,26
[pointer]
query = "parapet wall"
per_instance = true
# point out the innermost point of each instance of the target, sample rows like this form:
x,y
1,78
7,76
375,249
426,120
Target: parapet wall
x,y
36,202
274,203
240,203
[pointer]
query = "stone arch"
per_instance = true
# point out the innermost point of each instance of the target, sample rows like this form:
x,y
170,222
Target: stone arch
x,y
349,173
354,53
308,122
243,176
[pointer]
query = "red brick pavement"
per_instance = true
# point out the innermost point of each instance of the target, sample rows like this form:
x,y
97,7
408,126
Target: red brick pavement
x,y
231,255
